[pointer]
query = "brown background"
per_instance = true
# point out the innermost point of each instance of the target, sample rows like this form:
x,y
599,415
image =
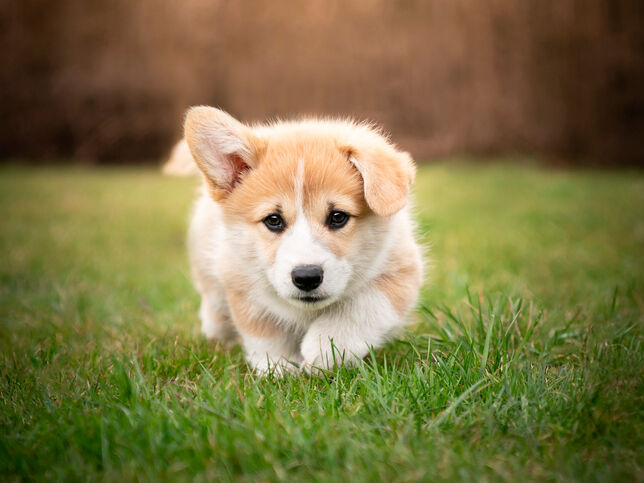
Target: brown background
x,y
109,80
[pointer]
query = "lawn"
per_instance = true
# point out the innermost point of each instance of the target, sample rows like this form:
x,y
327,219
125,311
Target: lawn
x,y
525,362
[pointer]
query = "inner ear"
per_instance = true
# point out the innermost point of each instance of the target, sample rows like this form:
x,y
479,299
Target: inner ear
x,y
239,168
224,148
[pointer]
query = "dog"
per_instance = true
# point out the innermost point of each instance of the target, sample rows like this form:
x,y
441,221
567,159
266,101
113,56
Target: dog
x,y
301,241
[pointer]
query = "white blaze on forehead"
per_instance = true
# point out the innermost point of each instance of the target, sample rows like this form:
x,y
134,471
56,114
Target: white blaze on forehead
x,y
299,246
299,241
298,181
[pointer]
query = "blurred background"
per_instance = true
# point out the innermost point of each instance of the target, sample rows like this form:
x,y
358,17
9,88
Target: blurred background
x,y
109,80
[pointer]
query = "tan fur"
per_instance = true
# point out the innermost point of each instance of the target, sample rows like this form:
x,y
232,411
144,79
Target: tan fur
x,y
387,175
247,321
401,279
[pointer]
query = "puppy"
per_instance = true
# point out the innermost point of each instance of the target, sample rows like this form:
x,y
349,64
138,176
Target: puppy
x,y
301,243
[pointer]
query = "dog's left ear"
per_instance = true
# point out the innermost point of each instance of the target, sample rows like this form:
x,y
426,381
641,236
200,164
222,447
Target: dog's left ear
x,y
387,174
223,148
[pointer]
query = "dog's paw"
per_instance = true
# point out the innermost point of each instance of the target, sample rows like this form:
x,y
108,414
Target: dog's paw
x,y
217,329
319,351
279,369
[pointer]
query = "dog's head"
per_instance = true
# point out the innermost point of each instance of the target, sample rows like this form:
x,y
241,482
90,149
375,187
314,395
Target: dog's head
x,y
307,203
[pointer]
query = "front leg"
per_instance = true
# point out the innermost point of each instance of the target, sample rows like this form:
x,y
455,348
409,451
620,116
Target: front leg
x,y
277,353
268,346
345,334
215,319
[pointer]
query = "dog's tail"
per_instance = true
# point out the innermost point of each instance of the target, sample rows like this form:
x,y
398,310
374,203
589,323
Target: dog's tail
x,y
180,162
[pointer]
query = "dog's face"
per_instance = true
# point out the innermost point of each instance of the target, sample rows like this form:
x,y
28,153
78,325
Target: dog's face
x,y
304,210
307,204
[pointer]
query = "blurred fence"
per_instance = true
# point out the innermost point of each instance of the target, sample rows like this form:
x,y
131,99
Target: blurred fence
x,y
109,80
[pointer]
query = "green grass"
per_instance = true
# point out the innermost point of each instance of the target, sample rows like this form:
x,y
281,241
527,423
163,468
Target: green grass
x,y
526,362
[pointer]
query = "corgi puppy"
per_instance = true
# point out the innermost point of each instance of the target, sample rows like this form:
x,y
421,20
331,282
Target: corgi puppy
x,y
301,242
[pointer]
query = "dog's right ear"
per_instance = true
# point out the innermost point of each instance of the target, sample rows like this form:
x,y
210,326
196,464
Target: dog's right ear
x,y
224,148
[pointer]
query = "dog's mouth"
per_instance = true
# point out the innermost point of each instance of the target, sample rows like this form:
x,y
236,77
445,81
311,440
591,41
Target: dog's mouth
x,y
311,300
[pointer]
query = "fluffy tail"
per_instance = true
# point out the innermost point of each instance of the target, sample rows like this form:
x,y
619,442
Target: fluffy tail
x,y
180,162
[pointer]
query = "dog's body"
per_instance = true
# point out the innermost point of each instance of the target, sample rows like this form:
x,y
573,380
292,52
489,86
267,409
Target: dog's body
x,y
301,242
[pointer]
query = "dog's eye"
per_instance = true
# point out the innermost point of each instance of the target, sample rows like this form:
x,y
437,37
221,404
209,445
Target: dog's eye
x,y
337,219
275,223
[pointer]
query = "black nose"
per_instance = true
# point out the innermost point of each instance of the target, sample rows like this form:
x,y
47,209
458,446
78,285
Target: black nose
x,y
307,277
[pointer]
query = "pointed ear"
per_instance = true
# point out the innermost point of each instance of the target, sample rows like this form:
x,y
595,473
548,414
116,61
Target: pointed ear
x,y
224,148
387,174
